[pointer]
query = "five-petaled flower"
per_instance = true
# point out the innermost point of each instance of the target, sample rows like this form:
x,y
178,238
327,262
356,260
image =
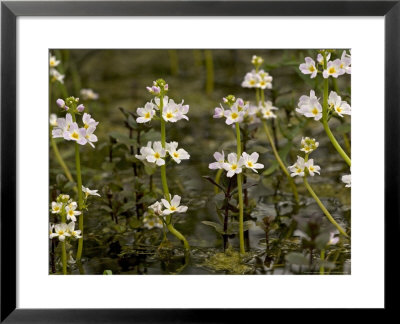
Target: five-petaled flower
x,y
333,69
88,192
309,106
71,213
250,161
176,154
309,67
60,231
56,208
173,206
146,114
312,169
233,165
297,169
71,230
340,107
220,158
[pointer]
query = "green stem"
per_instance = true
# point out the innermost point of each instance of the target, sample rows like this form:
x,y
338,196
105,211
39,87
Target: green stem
x,y
240,194
321,205
60,159
80,195
63,248
280,162
170,227
325,121
257,96
322,268
217,179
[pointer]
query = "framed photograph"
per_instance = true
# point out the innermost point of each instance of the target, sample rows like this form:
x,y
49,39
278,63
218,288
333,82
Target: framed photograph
x,y
181,161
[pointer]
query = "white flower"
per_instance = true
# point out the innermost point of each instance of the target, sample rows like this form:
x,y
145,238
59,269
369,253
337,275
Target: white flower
x,y
332,238
63,125
157,208
297,169
341,107
250,161
151,221
220,158
74,233
60,231
312,169
53,120
88,121
233,115
308,145
219,112
251,80
89,192
53,61
71,213
309,67
56,207
177,155
234,165
156,154
264,80
173,206
72,204
333,69
174,112
146,113
76,134
64,197
89,94
56,76
144,151
267,110
320,58
347,180
310,106
346,62
157,101
90,137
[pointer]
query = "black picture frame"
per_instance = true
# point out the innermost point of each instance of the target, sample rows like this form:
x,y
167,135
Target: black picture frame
x,y
11,10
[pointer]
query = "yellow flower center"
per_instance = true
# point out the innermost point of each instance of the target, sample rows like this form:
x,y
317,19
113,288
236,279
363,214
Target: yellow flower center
x,y
86,126
75,135
56,208
311,68
234,115
311,168
176,154
234,167
338,109
267,113
173,208
60,232
315,111
157,155
151,223
252,82
169,115
299,170
250,164
332,70
262,83
147,115
341,66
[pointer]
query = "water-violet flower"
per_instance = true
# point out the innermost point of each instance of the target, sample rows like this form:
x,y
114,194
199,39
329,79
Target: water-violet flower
x,y
146,114
60,231
173,206
297,169
56,208
233,115
309,67
312,169
308,145
233,165
220,158
156,154
74,233
340,107
89,192
250,161
53,61
310,106
333,69
76,134
176,154
71,213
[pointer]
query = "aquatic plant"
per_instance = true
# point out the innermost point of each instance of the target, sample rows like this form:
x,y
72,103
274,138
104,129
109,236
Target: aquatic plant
x,y
156,153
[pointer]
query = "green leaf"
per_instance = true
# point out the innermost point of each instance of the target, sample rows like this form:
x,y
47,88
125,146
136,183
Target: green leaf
x,y
297,258
217,227
322,240
131,122
107,272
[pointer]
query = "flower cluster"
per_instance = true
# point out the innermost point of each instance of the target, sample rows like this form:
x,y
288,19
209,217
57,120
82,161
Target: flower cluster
x,y
257,78
150,221
310,107
234,165
166,207
66,208
69,130
55,75
333,68
155,153
305,165
172,112
89,94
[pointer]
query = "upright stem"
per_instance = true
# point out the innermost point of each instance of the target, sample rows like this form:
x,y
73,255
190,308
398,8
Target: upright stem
x,y
80,195
170,227
321,205
280,162
322,268
325,121
63,249
60,159
217,178
239,184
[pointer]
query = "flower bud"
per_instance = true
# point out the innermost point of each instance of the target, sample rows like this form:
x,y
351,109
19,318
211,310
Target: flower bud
x,y
80,108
